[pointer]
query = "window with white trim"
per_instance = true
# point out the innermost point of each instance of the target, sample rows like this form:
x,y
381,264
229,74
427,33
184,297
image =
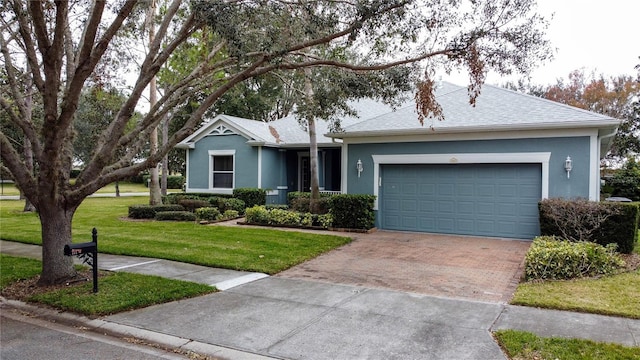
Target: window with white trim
x,y
222,169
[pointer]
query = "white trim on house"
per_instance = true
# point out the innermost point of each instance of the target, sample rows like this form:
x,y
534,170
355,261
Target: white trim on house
x,y
594,168
344,171
498,135
259,167
469,158
213,153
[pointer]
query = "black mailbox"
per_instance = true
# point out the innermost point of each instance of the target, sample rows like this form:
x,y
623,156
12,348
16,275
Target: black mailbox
x,y
79,249
88,252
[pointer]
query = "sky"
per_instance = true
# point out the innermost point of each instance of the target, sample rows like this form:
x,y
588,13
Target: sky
x,y
600,36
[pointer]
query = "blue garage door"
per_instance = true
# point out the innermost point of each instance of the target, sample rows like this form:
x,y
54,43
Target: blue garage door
x,y
499,200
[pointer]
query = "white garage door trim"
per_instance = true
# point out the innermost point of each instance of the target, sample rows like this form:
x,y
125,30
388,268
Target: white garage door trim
x,y
476,158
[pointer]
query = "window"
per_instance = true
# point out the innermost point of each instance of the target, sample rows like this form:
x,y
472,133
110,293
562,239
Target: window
x,y
222,166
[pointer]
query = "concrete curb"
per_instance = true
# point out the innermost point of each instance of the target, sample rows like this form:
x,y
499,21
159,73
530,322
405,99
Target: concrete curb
x,y
125,331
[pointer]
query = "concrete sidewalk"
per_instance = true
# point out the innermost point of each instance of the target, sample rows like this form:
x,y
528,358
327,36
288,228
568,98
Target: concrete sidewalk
x,y
301,319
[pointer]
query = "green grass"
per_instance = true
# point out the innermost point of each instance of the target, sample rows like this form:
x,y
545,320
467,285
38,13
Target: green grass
x,y
240,248
526,346
13,269
125,187
119,292
116,291
611,295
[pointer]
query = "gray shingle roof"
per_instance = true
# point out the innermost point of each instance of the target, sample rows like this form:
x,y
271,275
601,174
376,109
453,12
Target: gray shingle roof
x,y
496,108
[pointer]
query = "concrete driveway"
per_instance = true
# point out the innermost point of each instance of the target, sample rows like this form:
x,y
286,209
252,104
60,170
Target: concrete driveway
x,y
464,267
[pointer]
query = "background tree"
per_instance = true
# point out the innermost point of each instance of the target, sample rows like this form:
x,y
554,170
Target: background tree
x,y
67,43
615,96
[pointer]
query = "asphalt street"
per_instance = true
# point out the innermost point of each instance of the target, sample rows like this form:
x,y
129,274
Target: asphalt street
x,y
25,337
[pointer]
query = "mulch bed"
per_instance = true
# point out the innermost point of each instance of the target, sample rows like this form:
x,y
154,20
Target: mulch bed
x,y
24,289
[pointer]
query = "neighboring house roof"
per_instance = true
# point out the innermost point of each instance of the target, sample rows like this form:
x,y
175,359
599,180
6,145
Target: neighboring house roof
x,y
496,109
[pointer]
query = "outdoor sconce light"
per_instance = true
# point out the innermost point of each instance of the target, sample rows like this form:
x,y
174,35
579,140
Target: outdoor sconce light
x,y
568,165
359,167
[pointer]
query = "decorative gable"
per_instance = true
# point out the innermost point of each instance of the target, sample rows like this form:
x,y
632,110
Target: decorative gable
x,y
222,130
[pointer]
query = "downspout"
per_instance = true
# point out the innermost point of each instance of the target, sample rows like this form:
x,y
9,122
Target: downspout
x,y
600,138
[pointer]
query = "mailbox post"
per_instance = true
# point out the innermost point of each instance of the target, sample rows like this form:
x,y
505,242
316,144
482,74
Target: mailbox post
x,y
88,252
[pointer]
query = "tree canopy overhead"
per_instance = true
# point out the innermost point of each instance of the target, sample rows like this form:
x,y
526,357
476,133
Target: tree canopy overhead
x,y
54,49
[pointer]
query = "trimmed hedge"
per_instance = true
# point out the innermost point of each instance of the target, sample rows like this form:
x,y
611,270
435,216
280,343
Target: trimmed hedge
x,y
302,204
582,220
175,216
173,181
552,259
353,211
251,196
193,204
262,216
149,212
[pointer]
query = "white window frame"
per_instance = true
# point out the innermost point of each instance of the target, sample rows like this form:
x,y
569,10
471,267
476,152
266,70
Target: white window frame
x,y
213,153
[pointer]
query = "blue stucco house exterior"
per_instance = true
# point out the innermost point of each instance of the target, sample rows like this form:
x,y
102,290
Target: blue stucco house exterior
x,y
481,171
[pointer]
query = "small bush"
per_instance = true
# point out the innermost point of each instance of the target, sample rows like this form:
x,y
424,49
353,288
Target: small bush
x,y
141,212
353,211
283,217
257,215
277,206
208,214
175,182
168,207
325,220
225,204
251,196
175,216
554,259
302,204
230,214
193,204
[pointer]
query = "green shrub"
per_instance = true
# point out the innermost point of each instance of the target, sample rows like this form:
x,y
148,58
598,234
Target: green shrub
x,y
230,214
257,215
599,222
307,219
353,211
175,216
626,181
302,204
283,217
175,182
208,214
168,207
277,206
149,212
193,204
325,220
141,212
251,196
225,204
554,259
621,228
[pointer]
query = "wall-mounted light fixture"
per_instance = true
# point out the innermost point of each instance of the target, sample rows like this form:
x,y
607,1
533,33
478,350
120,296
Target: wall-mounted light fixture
x,y
568,165
359,167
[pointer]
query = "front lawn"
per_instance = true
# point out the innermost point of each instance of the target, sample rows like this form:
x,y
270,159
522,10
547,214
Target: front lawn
x,y
526,346
262,250
117,291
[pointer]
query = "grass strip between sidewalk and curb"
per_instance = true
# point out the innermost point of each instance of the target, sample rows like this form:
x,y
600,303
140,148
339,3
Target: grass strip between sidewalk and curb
x,y
617,295
249,249
523,345
117,291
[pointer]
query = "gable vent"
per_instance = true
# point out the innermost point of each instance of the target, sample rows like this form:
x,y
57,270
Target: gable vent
x,y
222,130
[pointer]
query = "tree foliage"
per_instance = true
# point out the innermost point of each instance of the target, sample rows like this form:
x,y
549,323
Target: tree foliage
x,y
69,45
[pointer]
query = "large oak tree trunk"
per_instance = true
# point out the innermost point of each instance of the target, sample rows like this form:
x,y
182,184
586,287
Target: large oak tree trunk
x,y
56,233
313,147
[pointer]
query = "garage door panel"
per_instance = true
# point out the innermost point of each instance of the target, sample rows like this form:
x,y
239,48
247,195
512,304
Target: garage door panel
x,y
475,199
